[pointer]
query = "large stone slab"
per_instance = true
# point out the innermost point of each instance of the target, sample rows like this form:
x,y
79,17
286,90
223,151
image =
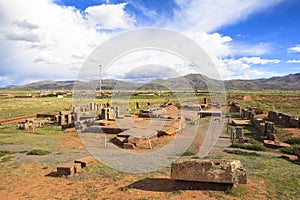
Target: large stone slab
x,y
214,171
275,145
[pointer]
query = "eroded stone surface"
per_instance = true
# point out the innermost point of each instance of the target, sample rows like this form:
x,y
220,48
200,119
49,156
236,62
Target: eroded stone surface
x,y
216,171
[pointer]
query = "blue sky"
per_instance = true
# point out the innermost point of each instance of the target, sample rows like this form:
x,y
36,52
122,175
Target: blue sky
x,y
50,40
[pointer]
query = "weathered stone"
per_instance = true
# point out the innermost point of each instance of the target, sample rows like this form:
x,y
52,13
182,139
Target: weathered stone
x,y
136,140
275,145
86,161
77,167
128,146
216,171
121,140
66,169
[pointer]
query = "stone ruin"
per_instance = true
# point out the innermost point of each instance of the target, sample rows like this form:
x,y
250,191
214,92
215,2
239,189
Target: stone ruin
x,y
66,119
265,127
209,171
285,120
234,107
30,124
34,122
70,168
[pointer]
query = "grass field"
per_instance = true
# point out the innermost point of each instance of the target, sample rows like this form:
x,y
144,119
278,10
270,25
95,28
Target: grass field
x,y
26,157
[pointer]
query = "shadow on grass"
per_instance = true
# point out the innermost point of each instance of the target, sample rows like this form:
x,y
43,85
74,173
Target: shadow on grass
x,y
53,174
169,185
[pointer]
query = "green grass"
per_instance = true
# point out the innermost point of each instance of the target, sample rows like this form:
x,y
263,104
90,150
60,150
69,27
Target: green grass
x,y
38,152
282,177
9,134
294,140
3,153
288,150
189,153
15,107
239,191
254,147
6,159
243,153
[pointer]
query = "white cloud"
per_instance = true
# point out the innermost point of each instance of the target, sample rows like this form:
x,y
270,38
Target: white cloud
x,y
43,39
208,15
293,61
242,68
109,16
48,41
295,49
215,44
258,60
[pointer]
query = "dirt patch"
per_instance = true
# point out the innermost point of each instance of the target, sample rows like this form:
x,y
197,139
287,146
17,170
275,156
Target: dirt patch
x,y
28,181
247,98
294,131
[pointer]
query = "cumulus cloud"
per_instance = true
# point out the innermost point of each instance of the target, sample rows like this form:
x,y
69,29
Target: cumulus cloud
x,y
242,67
48,41
295,49
109,16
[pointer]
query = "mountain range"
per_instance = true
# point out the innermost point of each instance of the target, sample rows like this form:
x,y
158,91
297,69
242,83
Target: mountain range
x,y
196,81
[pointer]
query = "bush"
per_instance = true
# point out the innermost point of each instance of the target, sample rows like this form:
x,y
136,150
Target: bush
x,y
188,153
288,150
38,152
295,140
244,153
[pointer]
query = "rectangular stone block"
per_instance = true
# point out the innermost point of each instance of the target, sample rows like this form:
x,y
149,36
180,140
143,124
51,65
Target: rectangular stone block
x,y
210,171
66,169
86,161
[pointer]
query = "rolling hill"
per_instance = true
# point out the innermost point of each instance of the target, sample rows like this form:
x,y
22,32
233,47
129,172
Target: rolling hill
x,y
196,81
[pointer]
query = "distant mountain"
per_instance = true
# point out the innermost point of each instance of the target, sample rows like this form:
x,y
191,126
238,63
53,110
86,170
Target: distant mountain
x,y
195,81
289,82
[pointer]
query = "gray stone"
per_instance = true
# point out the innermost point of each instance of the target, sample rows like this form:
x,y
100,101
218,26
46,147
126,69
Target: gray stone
x,y
215,171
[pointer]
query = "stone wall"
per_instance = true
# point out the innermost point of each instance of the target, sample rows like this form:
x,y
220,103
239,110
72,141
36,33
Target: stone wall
x,y
283,119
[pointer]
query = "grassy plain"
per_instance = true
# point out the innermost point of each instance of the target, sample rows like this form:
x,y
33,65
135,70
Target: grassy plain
x,y
26,176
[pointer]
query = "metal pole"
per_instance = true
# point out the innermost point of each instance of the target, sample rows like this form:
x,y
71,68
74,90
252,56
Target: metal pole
x,y
100,82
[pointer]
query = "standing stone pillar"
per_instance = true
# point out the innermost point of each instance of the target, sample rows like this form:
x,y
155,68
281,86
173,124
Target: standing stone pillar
x,y
62,120
70,118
